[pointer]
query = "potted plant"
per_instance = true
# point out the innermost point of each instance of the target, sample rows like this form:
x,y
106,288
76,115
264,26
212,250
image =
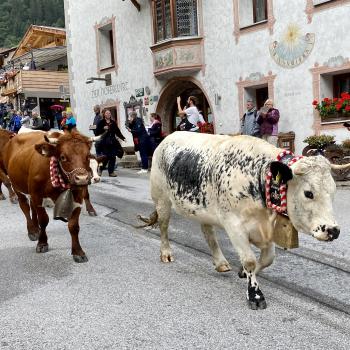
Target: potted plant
x,y
334,109
317,144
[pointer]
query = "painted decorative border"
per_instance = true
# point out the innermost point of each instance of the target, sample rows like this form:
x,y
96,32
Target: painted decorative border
x,y
104,22
254,80
336,64
310,8
237,31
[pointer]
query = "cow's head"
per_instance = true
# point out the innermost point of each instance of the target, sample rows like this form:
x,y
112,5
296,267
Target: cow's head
x,y
72,150
310,195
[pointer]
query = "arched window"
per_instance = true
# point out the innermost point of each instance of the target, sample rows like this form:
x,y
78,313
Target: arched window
x,y
175,18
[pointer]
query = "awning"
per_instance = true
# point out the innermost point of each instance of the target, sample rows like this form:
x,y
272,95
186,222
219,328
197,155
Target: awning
x,y
40,56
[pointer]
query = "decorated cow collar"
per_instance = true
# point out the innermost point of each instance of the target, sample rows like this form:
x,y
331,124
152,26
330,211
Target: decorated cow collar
x,y
275,189
55,175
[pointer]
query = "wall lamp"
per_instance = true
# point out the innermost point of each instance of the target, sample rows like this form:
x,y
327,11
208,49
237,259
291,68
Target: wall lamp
x,y
107,79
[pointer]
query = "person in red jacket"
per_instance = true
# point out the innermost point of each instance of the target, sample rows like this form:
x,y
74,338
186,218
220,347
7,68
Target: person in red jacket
x,y
268,120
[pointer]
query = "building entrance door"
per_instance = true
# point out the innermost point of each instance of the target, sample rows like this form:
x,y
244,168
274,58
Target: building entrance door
x,y
167,106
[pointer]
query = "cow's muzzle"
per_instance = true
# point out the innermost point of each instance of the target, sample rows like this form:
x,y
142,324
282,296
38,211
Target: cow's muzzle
x,y
333,233
77,177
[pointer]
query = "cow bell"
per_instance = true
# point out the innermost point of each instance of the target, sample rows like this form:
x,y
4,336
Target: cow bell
x,y
64,206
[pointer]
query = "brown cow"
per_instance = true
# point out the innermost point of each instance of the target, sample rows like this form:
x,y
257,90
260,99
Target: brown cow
x,y
5,137
27,161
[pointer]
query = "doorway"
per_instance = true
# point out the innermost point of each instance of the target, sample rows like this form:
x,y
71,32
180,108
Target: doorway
x,y
167,106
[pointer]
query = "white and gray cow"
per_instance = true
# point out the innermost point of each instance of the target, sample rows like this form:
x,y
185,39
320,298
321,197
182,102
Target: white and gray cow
x,y
219,180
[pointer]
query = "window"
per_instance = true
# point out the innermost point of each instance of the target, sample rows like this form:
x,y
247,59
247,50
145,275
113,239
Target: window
x,y
252,11
319,2
341,83
175,18
106,40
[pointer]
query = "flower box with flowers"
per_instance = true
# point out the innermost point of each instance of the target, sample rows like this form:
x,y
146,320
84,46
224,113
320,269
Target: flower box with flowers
x,y
334,109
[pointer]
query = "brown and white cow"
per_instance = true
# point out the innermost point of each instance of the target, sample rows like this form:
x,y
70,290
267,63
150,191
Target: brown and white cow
x,y
219,181
26,159
5,137
94,163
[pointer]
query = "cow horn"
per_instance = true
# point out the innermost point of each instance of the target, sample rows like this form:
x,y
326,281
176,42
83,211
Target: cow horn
x,y
51,140
340,166
97,138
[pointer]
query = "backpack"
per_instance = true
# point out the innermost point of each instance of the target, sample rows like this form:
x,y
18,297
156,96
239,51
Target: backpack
x,y
46,125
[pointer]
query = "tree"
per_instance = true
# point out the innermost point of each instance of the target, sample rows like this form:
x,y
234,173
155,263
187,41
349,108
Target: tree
x,y
17,15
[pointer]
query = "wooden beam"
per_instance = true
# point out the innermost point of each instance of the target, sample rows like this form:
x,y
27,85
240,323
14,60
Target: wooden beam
x,y
136,4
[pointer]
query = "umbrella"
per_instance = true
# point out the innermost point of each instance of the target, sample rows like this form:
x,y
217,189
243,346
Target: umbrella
x,y
57,107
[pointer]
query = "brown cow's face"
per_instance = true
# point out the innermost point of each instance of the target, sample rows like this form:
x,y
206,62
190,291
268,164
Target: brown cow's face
x,y
72,152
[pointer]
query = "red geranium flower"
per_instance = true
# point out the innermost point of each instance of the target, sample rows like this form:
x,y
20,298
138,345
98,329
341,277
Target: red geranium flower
x,y
347,108
314,103
338,106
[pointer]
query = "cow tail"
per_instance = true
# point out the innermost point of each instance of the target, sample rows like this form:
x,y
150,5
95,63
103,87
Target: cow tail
x,y
152,221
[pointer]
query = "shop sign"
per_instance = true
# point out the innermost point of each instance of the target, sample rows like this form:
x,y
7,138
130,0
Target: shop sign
x,y
110,90
139,92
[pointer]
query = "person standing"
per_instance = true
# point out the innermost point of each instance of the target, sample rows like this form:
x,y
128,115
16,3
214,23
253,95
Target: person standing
x,y
71,123
110,146
268,120
191,112
155,131
249,123
139,133
58,118
97,118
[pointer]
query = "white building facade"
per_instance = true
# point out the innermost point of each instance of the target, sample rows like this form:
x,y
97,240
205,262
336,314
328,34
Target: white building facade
x,y
222,51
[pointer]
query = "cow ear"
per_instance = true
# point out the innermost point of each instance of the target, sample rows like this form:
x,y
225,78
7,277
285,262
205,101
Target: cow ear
x,y
46,149
282,169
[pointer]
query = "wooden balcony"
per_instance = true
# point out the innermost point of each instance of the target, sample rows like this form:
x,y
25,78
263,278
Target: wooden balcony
x,y
176,56
41,80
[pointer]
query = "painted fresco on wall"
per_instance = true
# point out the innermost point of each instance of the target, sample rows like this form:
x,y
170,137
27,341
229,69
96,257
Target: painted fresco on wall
x,y
188,55
164,59
294,47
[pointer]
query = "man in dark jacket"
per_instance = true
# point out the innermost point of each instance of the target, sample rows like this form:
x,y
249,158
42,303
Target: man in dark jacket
x,y
97,118
139,133
249,124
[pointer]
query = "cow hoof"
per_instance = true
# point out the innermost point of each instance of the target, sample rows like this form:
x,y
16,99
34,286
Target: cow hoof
x,y
92,213
42,248
2,197
241,273
80,258
225,267
166,258
33,236
257,305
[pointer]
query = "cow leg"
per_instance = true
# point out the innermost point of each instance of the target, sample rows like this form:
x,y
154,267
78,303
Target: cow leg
x,y
220,262
267,256
89,208
73,226
2,196
43,218
164,210
255,297
33,231
6,181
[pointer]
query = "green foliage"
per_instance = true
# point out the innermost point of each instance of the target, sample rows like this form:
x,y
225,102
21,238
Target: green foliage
x,y
17,15
346,144
319,141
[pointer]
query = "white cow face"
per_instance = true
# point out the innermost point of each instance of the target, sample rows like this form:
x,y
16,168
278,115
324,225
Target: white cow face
x,y
310,196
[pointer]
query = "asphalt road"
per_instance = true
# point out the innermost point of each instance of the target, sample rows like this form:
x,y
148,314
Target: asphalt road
x,y
124,298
